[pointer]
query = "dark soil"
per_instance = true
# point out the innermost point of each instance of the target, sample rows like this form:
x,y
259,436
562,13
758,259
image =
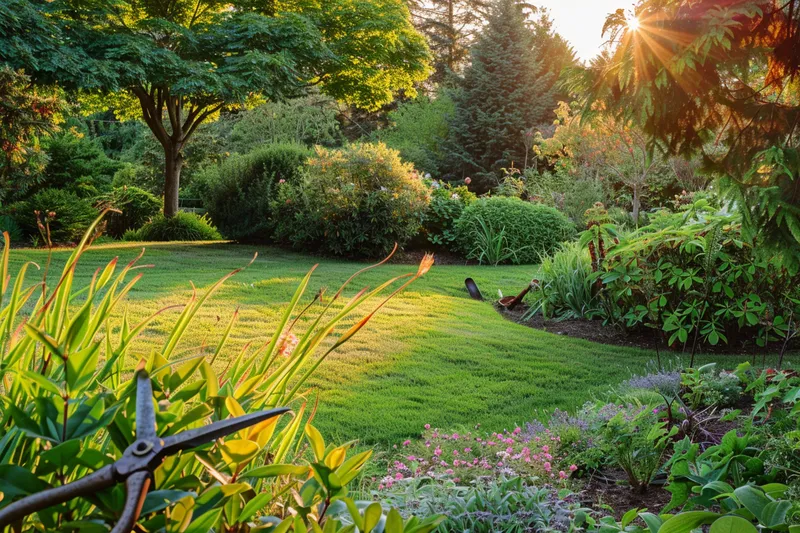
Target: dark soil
x,y
594,330
610,488
591,330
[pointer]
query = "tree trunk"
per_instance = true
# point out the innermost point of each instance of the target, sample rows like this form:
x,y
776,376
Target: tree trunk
x,y
636,205
172,178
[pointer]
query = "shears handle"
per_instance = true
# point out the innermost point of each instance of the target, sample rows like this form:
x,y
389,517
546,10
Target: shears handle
x,y
96,481
136,487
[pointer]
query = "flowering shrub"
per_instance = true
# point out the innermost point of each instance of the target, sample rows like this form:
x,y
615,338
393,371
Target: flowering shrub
x,y
447,204
357,201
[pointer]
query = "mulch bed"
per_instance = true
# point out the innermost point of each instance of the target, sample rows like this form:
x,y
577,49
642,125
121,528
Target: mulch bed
x,y
595,331
609,489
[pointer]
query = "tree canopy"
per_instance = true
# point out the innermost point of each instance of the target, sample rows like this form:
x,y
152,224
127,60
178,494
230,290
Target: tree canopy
x,y
719,80
185,60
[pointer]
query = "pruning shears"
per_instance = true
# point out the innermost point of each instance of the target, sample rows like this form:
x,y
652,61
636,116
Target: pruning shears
x,y
136,466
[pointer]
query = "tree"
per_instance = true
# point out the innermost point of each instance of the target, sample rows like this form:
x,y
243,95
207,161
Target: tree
x,y
450,27
603,148
184,61
719,80
25,115
505,91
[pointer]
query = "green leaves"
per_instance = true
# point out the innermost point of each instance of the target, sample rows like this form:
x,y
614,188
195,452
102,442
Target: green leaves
x,y
68,413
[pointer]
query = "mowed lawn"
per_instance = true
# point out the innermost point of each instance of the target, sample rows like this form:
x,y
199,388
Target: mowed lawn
x,y
432,355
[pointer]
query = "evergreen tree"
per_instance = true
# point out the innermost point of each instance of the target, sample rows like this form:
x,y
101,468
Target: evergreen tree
x,y
505,92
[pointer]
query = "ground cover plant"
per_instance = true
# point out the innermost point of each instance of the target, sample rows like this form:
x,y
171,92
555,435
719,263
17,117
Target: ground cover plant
x,y
714,468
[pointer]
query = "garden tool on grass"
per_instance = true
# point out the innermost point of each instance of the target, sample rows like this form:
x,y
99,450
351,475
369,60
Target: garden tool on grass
x,y
510,302
136,466
472,288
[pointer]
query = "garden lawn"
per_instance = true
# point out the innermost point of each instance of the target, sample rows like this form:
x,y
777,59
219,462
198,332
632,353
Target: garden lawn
x,y
432,355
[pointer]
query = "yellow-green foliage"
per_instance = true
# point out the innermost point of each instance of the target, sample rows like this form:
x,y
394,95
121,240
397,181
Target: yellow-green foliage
x,y
69,407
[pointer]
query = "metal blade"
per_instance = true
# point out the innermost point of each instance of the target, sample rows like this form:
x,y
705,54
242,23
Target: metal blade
x,y
203,435
145,413
95,482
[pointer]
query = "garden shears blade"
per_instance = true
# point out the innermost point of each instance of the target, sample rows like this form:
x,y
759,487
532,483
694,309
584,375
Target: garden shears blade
x,y
138,462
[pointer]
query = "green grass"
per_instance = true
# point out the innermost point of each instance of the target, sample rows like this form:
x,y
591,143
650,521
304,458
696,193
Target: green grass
x,y
432,355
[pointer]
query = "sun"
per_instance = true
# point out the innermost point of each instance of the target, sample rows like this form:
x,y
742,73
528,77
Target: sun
x,y
633,23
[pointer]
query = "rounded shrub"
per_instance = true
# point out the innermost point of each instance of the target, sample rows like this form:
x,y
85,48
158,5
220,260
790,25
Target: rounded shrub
x,y
65,213
182,227
357,201
237,193
136,207
526,231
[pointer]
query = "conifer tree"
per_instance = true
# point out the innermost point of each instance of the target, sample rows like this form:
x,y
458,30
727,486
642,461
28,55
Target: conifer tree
x,y
505,91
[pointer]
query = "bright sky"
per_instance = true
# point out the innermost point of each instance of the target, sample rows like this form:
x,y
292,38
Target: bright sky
x,y
581,21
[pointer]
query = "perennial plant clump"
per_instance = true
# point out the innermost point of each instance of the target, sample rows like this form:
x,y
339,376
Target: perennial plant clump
x,y
470,456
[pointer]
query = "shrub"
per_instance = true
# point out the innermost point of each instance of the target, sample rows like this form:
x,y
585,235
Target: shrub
x,y
68,409
357,201
137,207
692,276
10,226
237,193
182,227
531,230
445,208
78,164
72,214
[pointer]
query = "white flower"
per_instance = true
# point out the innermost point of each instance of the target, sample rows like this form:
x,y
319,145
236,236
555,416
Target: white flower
x,y
435,184
427,175
455,196
384,189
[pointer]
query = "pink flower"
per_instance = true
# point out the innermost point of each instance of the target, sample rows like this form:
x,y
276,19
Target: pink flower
x,y
406,442
467,450
545,448
281,181
573,468
449,471
467,180
427,426
562,474
437,452
548,467
455,452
